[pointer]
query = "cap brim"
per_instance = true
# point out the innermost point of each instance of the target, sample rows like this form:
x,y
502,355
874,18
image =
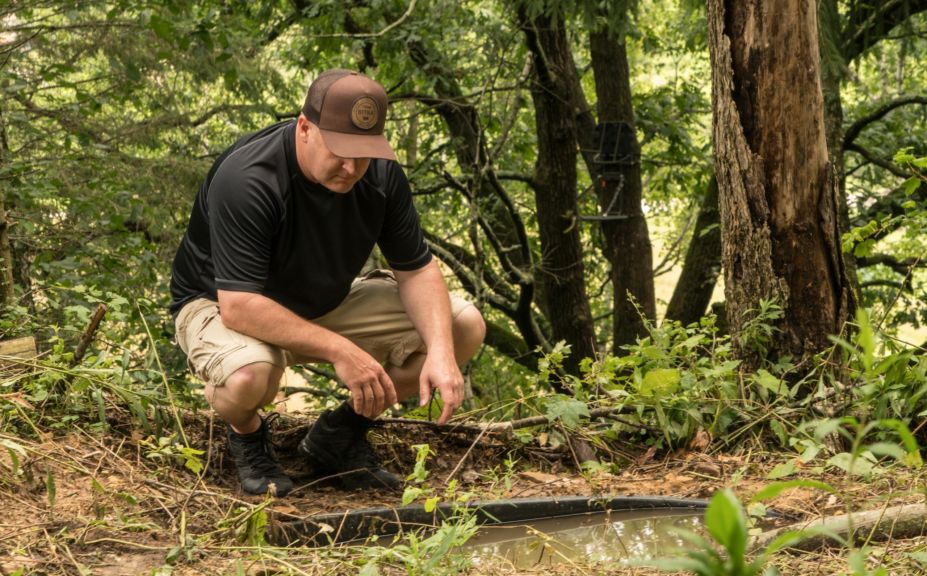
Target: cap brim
x,y
358,145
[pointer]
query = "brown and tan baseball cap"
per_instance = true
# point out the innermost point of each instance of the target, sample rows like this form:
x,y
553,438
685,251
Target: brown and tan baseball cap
x,y
350,111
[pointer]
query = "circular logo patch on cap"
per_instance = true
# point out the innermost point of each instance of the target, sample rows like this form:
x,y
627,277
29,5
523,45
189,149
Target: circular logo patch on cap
x,y
365,113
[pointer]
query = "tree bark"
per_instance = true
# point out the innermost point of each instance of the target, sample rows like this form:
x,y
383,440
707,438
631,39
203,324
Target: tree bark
x,y
778,196
6,252
627,238
702,265
561,267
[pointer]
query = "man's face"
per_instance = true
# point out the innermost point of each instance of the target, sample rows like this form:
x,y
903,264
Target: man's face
x,y
320,165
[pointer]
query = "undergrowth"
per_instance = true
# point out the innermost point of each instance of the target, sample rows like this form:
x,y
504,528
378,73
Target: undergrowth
x,y
857,409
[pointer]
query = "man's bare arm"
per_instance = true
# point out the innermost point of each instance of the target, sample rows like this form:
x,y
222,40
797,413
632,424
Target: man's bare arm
x,y
425,297
258,316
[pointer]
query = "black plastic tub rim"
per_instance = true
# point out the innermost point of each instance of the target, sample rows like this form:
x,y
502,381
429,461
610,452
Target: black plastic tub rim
x,y
354,525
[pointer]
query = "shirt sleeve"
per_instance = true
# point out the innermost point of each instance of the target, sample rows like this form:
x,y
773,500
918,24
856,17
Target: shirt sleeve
x,y
401,239
243,214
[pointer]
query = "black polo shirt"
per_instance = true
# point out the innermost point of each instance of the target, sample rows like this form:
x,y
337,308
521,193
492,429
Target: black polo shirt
x,y
259,225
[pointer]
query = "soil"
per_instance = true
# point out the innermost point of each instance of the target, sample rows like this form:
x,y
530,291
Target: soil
x,y
91,502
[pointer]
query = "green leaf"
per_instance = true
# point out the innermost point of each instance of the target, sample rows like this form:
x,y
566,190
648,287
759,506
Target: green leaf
x,y
567,410
410,494
772,490
191,458
913,458
858,466
430,503
785,540
865,338
660,382
162,28
727,524
911,185
887,449
771,383
782,470
780,432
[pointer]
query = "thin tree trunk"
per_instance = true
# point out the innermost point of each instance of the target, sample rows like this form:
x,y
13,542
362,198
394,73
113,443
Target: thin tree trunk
x,y
627,239
702,265
778,197
6,252
501,219
831,78
555,193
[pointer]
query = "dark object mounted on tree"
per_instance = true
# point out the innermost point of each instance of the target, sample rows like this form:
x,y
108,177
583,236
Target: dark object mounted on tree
x,y
616,151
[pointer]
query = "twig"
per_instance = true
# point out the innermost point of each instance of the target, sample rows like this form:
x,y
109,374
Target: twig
x,y
464,458
87,336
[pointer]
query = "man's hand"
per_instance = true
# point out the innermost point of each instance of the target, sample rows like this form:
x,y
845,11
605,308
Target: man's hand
x,y
372,390
441,372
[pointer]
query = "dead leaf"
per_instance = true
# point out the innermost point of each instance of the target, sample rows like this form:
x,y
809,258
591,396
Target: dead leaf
x,y
700,441
539,477
18,398
647,456
469,476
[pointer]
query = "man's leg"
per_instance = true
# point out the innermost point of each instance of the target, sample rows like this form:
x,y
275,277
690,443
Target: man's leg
x,y
246,390
469,330
241,374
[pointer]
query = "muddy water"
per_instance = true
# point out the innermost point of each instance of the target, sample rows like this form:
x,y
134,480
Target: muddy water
x,y
602,537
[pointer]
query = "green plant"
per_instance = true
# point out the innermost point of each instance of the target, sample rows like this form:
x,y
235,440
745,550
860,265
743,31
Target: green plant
x,y
167,448
726,523
759,329
426,555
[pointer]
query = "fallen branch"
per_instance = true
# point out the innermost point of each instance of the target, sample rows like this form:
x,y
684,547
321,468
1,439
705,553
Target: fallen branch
x,y
907,521
87,336
506,429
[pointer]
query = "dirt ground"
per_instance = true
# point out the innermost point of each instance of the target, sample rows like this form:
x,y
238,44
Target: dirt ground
x,y
111,503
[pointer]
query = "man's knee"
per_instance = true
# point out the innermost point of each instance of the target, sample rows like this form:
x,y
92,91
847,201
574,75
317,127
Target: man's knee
x,y
469,331
253,385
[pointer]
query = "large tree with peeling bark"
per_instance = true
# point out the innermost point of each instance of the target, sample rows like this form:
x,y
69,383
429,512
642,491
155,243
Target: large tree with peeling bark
x,y
778,195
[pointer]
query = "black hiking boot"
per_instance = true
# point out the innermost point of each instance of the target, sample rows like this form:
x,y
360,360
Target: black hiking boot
x,y
257,465
337,445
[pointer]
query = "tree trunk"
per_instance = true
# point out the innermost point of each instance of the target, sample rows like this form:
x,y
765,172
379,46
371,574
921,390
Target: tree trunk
x,y
702,265
498,216
561,267
627,239
6,252
6,258
778,196
831,78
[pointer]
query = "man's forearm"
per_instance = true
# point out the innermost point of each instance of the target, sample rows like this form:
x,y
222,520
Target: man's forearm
x,y
425,297
261,317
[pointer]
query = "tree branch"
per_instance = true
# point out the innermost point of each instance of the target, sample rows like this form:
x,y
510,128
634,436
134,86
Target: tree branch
x,y
853,131
869,22
877,161
902,267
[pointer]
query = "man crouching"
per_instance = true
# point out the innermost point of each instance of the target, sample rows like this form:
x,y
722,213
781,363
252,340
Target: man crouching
x,y
265,277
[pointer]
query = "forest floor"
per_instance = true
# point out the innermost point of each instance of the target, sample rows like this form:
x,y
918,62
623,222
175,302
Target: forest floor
x,y
112,503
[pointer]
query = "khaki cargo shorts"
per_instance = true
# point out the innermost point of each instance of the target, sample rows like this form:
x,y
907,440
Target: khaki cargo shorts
x,y
371,316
